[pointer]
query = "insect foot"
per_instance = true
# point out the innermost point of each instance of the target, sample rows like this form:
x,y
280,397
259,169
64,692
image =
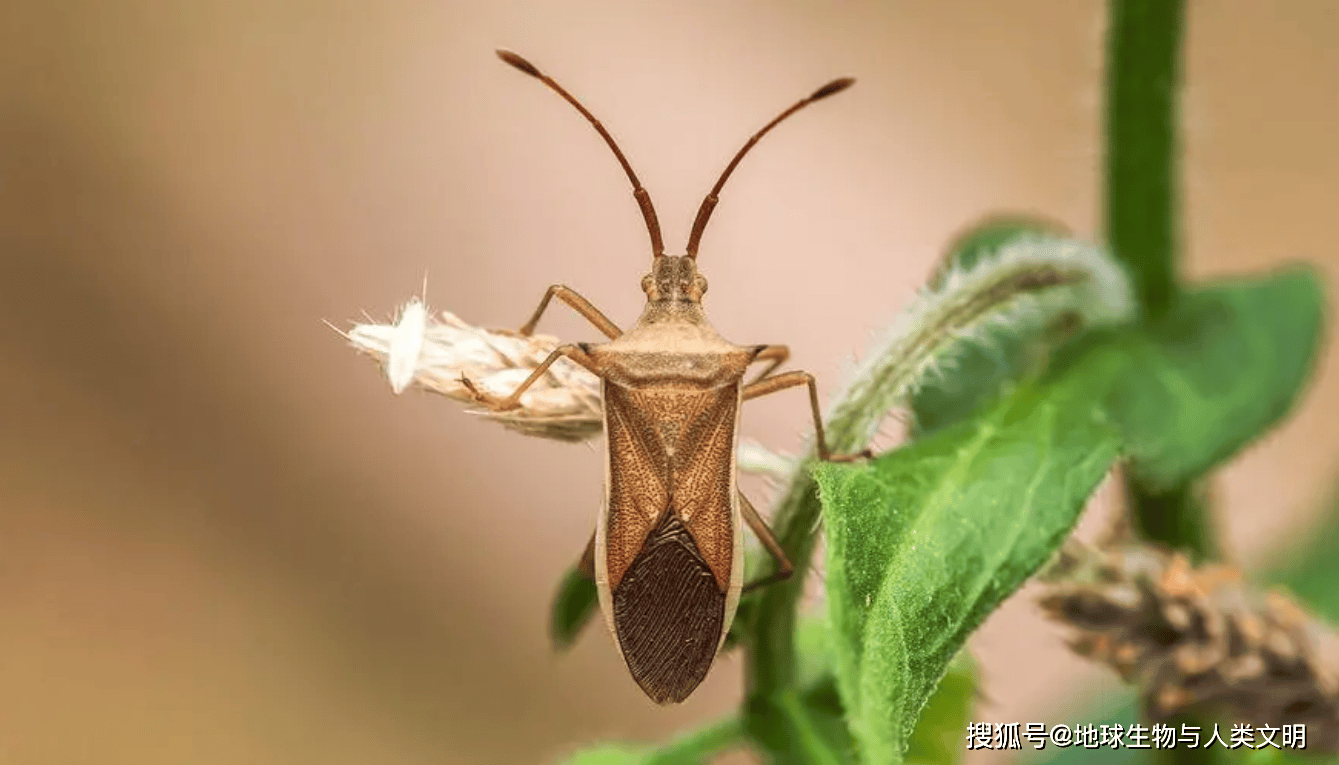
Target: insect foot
x,y
495,403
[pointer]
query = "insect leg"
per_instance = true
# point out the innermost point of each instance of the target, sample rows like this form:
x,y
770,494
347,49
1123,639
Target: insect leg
x,y
776,354
793,379
579,304
501,404
784,568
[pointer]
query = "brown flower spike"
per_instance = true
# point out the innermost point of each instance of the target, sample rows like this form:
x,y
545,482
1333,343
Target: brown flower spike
x,y
1198,638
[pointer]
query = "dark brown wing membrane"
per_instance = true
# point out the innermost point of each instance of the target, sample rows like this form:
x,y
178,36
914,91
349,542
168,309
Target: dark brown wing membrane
x,y
668,614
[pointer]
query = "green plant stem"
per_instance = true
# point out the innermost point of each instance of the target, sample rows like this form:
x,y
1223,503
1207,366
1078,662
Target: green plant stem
x,y
770,652
1142,181
804,736
1179,517
1142,81
700,745
1143,57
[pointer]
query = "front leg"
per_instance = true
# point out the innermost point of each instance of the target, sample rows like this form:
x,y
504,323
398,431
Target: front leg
x,y
775,355
579,304
505,403
786,380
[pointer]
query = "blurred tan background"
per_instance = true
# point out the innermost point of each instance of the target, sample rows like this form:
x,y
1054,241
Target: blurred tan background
x,y
223,540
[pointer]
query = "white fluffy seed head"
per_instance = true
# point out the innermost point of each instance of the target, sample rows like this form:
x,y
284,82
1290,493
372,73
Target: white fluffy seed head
x,y
405,344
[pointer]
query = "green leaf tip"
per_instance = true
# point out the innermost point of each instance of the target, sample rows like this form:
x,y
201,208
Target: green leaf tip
x,y
1226,363
575,602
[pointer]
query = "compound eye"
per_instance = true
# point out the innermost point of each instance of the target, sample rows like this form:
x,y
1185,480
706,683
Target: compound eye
x,y
700,283
651,287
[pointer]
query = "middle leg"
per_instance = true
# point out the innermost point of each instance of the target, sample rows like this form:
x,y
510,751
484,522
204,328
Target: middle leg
x,y
784,568
794,379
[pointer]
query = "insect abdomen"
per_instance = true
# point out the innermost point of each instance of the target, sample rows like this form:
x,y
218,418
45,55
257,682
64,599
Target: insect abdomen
x,y
668,614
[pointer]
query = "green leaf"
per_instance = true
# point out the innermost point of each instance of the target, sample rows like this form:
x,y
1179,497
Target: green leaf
x,y
815,723
700,746
1226,363
926,541
980,371
573,606
829,716
938,737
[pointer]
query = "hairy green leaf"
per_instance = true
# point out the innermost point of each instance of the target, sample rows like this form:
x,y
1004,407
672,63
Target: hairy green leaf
x,y
1226,363
927,540
987,236
981,370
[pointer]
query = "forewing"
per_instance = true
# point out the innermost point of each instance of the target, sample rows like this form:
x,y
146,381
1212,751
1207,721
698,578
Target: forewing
x,y
638,490
704,477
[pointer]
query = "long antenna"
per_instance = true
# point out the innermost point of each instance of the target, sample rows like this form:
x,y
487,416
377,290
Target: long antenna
x,y
639,193
709,204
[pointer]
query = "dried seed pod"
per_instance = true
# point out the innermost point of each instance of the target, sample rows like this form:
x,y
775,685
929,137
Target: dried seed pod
x,y
563,405
1198,638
